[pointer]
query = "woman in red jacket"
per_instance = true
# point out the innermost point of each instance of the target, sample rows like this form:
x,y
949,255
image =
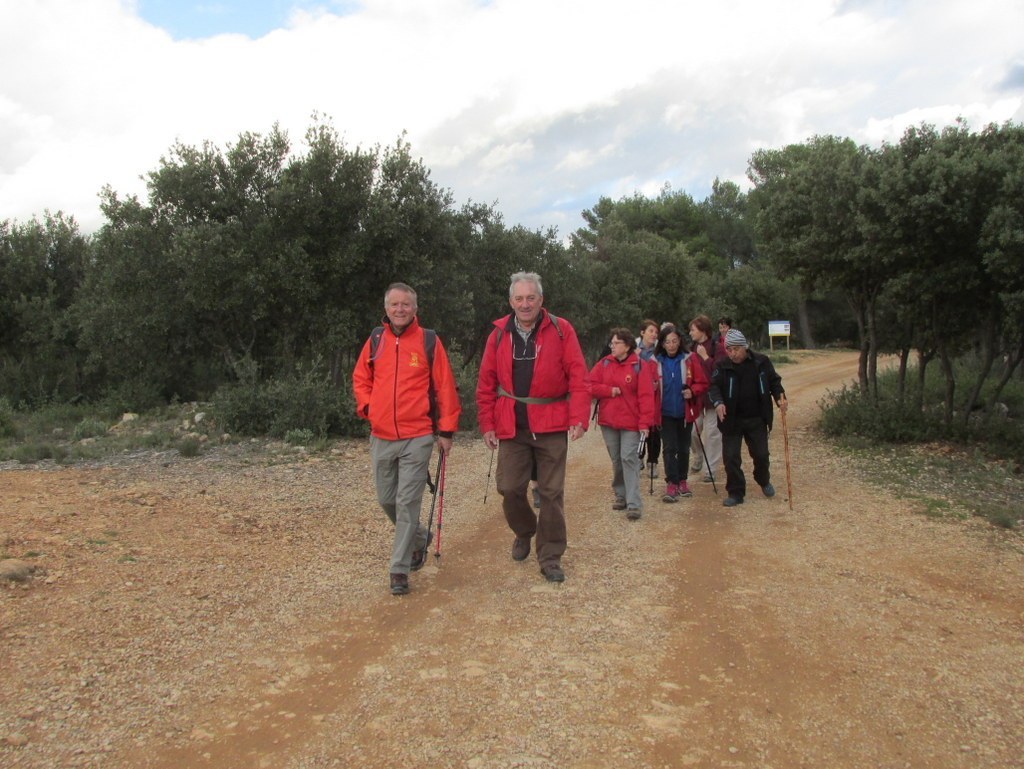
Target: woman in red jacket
x,y
624,388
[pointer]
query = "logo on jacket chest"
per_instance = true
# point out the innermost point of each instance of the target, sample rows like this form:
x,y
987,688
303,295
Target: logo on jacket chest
x,y
629,378
414,360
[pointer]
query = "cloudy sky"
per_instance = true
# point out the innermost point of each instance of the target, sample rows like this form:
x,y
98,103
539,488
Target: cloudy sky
x,y
538,106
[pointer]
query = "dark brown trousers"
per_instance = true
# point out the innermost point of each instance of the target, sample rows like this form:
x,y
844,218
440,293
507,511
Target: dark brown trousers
x,y
516,457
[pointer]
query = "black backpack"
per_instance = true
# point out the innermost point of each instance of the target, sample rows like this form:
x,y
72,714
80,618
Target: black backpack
x,y
429,340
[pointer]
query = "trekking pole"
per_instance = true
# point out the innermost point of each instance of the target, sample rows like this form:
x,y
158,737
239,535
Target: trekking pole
x,y
433,490
440,506
651,465
700,443
789,475
488,484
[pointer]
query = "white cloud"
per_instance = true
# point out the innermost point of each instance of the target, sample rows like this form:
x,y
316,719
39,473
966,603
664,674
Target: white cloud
x,y
585,158
540,105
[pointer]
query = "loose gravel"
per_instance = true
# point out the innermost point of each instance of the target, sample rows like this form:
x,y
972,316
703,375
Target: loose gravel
x,y
232,610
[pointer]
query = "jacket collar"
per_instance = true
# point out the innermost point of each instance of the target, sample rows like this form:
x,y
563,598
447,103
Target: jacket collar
x,y
415,324
508,323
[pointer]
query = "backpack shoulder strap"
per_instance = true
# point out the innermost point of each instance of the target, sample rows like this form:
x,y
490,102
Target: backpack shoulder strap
x,y
375,337
554,322
429,341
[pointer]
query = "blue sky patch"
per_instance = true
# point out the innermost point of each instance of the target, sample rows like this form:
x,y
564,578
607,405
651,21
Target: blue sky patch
x,y
195,20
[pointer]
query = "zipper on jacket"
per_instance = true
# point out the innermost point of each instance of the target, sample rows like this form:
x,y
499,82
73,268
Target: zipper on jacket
x,y
394,396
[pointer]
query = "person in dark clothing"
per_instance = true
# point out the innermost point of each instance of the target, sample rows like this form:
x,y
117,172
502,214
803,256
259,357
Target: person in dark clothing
x,y
743,389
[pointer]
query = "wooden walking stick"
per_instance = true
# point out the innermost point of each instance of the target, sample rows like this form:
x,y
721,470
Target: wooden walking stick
x,y
789,474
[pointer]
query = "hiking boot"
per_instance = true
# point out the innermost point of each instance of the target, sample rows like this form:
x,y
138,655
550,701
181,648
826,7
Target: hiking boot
x,y
652,469
399,584
768,489
732,501
707,479
419,555
682,490
671,492
633,514
553,573
619,504
520,548
536,498
695,468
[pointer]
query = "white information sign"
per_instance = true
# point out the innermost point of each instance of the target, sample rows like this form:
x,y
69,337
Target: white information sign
x,y
778,328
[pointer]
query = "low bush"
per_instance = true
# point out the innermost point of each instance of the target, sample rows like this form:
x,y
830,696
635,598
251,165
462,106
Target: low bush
x,y
302,401
90,427
33,451
189,446
301,437
891,419
848,413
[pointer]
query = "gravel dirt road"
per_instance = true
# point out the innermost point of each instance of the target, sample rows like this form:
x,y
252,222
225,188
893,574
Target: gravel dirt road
x,y
232,611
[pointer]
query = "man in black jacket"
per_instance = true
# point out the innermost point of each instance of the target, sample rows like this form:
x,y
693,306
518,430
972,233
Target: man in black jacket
x,y
743,389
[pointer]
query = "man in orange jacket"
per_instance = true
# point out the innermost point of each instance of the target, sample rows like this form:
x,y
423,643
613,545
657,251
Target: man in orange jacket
x,y
392,384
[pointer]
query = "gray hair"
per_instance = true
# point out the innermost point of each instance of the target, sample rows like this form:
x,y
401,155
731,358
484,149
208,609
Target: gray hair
x,y
400,287
525,277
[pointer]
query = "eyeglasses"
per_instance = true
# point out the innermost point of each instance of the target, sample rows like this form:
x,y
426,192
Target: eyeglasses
x,y
525,354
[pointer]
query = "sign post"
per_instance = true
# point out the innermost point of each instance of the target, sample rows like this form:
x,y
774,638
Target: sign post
x,y
778,328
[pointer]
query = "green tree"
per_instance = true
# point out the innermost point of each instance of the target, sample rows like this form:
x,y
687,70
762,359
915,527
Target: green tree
x,y
945,187
727,223
42,264
1002,247
258,262
811,201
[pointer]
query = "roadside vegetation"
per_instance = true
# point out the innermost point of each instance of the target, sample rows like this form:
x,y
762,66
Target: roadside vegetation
x,y
67,434
972,466
248,278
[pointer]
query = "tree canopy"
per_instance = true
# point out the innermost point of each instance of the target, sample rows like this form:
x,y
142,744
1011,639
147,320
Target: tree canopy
x,y
261,259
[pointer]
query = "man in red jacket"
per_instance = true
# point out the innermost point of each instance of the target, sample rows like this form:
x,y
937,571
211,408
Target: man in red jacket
x,y
531,394
392,383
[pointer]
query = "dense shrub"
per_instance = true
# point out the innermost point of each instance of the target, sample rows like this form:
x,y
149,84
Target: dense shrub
x,y
7,426
465,382
302,401
847,413
32,452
